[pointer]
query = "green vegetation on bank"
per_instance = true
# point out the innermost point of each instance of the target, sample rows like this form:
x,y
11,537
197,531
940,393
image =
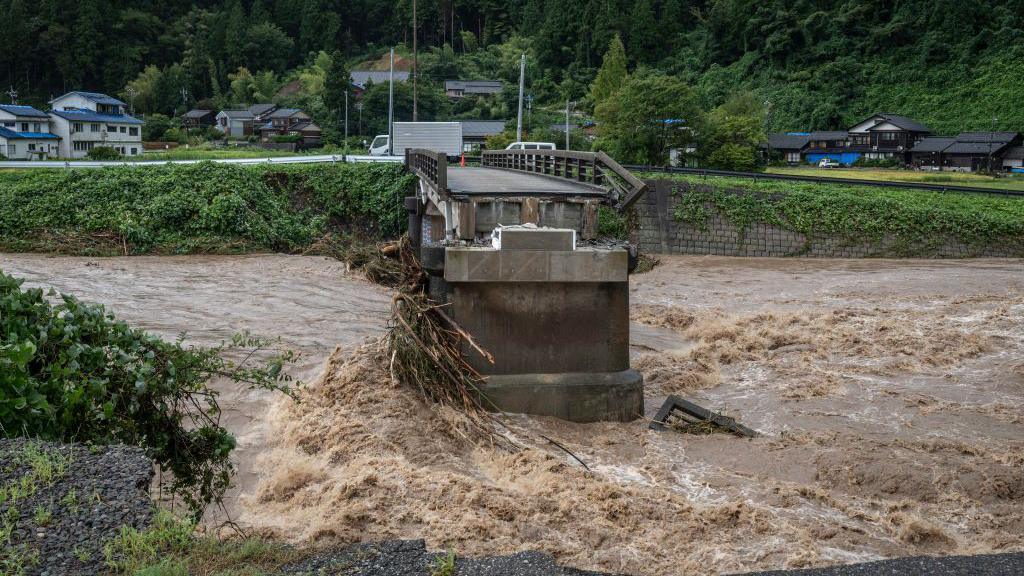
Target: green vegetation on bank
x,y
205,207
914,220
71,371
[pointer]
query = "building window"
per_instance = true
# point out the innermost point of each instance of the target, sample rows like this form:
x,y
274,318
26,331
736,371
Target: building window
x,y
31,147
35,127
889,136
133,131
134,151
111,128
83,146
8,124
76,127
124,129
12,150
94,127
24,126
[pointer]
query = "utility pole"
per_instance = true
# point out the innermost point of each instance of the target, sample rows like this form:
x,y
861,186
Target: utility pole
x,y
568,106
13,94
522,81
391,105
415,61
346,117
184,102
767,127
131,100
991,137
359,108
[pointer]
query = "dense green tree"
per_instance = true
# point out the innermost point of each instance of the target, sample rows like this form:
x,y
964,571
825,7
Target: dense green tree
x,y
612,73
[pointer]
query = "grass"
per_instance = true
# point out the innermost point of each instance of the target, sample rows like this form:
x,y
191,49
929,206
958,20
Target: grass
x,y
44,468
444,565
895,175
169,547
206,152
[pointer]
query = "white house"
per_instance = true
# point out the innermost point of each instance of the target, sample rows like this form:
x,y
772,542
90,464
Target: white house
x,y
85,120
25,133
235,123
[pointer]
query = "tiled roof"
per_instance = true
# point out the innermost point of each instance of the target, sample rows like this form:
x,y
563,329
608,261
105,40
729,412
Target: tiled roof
x,y
197,113
260,109
904,122
362,77
239,114
475,86
788,141
933,144
829,135
1015,153
90,116
284,112
96,97
986,136
482,128
976,147
12,135
26,111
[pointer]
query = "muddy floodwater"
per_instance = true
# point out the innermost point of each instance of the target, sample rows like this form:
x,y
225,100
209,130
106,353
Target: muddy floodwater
x,y
890,396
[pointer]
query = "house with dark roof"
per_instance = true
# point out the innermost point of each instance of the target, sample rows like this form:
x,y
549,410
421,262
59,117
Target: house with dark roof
x,y
886,136
291,121
25,133
235,123
86,120
1013,159
363,78
830,144
788,146
975,151
476,132
198,119
927,154
462,88
261,111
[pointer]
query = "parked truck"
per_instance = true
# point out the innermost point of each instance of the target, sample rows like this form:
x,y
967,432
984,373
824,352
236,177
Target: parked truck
x,y
438,136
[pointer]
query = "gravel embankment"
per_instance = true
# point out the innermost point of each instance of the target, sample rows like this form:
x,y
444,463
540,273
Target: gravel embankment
x,y
411,558
62,502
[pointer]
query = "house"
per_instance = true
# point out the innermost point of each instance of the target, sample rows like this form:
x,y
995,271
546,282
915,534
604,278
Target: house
x,y
235,123
85,120
885,136
361,79
788,146
1013,159
461,88
974,151
927,154
830,144
260,112
25,133
291,121
198,119
476,132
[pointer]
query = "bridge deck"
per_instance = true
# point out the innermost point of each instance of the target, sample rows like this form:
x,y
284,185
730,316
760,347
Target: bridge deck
x,y
494,181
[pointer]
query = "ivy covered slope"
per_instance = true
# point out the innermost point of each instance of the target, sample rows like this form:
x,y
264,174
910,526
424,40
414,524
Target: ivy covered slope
x,y
914,220
193,208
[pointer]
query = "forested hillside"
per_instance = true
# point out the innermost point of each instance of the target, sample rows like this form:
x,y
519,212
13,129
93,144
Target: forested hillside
x,y
821,64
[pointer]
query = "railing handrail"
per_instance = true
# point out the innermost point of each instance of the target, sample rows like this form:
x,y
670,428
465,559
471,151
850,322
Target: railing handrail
x,y
429,165
595,168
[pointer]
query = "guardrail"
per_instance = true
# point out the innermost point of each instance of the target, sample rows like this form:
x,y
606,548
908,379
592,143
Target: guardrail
x,y
828,180
429,165
597,169
320,159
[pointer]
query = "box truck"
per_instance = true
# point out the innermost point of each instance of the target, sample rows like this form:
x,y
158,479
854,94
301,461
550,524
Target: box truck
x,y
438,136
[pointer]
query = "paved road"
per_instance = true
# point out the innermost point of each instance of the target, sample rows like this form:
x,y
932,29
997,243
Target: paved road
x,y
325,158
491,181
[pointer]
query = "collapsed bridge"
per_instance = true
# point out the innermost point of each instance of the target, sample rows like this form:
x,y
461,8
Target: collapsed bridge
x,y
513,247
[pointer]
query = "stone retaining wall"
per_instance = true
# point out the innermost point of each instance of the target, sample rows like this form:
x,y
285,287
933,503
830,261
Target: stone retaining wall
x,y
660,232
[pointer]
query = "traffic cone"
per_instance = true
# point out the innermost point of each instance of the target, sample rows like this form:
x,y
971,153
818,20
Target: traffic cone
x,y
463,161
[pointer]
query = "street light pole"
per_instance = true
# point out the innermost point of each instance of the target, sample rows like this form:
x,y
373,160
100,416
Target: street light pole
x,y
991,137
522,81
415,61
767,128
568,106
391,104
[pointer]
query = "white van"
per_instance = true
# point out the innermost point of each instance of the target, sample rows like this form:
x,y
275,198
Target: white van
x,y
531,146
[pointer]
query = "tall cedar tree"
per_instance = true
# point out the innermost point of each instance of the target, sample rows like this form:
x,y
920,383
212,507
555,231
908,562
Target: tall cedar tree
x,y
612,73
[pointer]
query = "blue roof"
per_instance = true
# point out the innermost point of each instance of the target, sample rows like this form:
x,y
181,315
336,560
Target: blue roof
x,y
12,135
90,116
97,97
23,110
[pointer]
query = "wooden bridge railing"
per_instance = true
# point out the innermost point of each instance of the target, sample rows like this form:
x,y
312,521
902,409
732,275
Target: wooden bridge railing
x,y
430,166
595,168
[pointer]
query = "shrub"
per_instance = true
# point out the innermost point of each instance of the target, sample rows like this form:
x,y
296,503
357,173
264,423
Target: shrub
x,y
103,153
73,372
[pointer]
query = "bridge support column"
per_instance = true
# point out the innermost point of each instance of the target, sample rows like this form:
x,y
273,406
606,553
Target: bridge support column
x,y
557,324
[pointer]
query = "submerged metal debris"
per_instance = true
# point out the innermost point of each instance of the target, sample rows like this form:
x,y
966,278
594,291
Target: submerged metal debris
x,y
679,413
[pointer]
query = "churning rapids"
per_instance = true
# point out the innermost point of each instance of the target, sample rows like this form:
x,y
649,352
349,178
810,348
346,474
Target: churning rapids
x,y
890,395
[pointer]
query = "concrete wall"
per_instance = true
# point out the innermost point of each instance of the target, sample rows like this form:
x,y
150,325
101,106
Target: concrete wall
x,y
660,232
